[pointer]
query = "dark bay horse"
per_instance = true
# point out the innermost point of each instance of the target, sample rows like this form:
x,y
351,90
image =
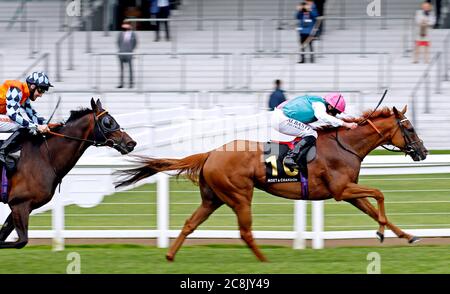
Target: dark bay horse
x,y
229,175
45,161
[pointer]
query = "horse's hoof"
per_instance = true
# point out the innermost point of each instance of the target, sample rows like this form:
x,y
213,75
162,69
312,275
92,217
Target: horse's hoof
x,y
380,237
414,239
169,257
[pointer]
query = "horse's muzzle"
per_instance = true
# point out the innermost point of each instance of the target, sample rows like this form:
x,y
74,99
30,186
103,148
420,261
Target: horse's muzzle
x,y
130,146
419,155
125,148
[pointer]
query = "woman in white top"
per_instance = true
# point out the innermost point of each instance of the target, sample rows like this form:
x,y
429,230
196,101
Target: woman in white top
x,y
425,18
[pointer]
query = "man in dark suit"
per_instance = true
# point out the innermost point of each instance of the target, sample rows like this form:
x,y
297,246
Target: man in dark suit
x,y
126,42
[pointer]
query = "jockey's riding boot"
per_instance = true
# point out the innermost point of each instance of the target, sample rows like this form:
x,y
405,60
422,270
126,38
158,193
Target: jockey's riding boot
x,y
297,155
9,145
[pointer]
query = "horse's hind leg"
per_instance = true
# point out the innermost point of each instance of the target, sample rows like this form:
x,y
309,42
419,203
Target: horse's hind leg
x,y
365,206
210,202
7,228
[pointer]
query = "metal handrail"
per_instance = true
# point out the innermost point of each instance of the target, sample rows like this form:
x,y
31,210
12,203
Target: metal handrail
x,y
20,10
425,79
276,43
445,56
199,95
262,100
69,36
258,29
32,39
45,57
96,71
383,79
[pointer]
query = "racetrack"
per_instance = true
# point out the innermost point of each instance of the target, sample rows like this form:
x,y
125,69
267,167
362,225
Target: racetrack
x,y
412,201
231,259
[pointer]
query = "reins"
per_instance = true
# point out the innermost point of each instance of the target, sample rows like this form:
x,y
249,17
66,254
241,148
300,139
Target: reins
x,y
93,142
367,119
375,109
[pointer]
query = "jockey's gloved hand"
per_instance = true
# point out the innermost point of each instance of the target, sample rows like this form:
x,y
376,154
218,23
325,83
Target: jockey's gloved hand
x,y
351,125
54,125
43,128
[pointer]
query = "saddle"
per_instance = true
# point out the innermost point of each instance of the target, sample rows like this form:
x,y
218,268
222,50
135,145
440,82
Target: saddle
x,y
276,172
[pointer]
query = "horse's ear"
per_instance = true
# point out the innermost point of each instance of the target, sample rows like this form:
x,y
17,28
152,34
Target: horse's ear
x,y
93,105
404,109
99,104
395,111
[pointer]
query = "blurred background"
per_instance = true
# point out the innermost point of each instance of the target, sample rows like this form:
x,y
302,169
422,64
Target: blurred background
x,y
202,75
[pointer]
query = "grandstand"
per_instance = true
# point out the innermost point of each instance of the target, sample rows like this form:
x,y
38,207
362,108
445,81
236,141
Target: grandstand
x,y
251,48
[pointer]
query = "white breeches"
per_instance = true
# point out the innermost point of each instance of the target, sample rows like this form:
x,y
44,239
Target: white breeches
x,y
289,126
7,125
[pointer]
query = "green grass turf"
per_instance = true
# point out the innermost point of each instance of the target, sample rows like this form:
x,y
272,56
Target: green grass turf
x,y
386,152
225,259
403,194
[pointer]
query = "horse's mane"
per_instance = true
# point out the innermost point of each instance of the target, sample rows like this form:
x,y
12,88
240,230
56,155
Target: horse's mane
x,y
74,115
383,112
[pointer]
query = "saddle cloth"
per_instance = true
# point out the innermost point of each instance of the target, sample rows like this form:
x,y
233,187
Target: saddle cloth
x,y
274,153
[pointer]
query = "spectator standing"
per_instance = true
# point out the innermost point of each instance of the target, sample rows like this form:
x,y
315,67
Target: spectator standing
x,y
153,6
320,4
306,16
162,8
277,97
437,7
424,19
126,42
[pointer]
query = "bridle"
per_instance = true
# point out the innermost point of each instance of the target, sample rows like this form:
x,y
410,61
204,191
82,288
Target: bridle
x,y
409,142
100,129
408,149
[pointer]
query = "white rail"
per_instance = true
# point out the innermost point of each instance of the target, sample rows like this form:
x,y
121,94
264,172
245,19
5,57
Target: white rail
x,y
94,175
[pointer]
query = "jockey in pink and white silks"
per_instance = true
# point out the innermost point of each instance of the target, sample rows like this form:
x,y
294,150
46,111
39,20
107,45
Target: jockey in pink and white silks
x,y
301,116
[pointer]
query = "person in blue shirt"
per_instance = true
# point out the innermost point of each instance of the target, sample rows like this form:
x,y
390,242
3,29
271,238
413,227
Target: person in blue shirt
x,y
306,16
295,117
277,97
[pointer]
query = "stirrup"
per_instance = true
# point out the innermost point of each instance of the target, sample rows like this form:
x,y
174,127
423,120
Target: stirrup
x,y
290,165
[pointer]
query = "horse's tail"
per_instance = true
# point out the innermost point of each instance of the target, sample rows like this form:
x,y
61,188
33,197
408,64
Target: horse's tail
x,y
191,166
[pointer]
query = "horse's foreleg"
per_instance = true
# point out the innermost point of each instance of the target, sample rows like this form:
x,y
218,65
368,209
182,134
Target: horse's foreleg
x,y
243,212
20,217
355,191
7,228
198,217
364,205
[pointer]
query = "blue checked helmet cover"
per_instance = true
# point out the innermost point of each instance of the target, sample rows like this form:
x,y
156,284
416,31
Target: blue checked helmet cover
x,y
40,79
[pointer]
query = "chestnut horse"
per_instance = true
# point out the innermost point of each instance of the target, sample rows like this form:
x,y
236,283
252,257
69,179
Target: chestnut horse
x,y
45,160
230,177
